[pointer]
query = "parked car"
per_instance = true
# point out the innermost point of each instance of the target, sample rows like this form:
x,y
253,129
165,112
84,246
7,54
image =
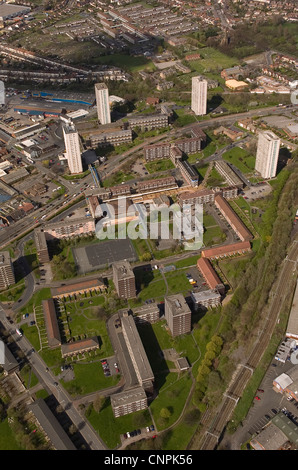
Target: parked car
x,y
260,390
257,398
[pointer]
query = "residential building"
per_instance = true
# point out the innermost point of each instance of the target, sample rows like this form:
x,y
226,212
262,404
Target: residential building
x,y
124,280
79,288
50,425
69,228
7,277
232,218
149,121
199,95
206,269
239,248
146,313
137,353
79,347
41,246
129,401
102,103
10,365
177,314
114,137
196,197
267,154
73,148
51,323
227,172
206,298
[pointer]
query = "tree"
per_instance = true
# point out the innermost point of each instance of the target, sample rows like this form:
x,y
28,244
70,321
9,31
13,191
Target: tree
x,y
98,403
165,413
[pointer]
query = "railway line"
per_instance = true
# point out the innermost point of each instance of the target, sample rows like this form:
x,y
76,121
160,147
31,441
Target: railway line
x,y
245,371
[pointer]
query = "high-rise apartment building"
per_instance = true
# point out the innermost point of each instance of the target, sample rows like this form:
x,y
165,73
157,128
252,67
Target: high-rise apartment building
x,y
124,280
72,147
177,314
102,103
7,277
267,154
199,95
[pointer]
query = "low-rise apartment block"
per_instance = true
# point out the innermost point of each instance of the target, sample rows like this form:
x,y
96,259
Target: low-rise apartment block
x,y
116,137
129,401
79,347
150,121
206,269
206,298
232,218
234,249
196,197
226,171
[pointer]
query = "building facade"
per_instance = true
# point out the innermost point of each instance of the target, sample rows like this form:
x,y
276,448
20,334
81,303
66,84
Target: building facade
x,y
267,154
129,401
7,277
199,95
102,103
177,314
72,148
124,280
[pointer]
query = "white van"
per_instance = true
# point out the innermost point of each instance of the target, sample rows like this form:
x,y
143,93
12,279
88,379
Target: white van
x,y
18,332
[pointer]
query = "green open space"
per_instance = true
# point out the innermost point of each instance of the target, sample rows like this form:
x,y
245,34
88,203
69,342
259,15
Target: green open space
x,y
7,437
110,428
89,377
241,159
159,165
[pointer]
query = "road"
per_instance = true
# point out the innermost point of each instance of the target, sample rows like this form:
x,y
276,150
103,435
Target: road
x,y
49,382
20,227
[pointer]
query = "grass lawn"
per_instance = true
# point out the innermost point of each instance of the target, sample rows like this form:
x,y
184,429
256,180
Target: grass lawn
x,y
159,165
89,378
110,428
126,62
13,293
212,60
172,396
241,159
213,236
35,301
7,437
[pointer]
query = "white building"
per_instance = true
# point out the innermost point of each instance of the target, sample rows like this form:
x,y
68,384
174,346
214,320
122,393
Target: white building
x,y
199,95
102,103
72,147
267,154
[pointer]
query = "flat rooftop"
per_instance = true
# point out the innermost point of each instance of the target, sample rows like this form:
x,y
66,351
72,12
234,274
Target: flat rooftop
x,y
178,304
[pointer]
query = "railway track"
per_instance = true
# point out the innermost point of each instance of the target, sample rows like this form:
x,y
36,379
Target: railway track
x,y
243,375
